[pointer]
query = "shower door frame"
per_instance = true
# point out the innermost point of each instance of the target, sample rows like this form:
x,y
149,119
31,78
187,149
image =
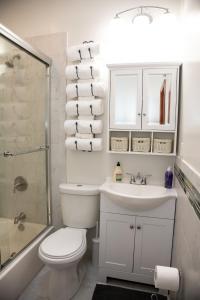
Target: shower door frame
x,y
12,37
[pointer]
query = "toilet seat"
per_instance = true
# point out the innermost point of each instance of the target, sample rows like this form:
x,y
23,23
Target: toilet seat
x,y
64,245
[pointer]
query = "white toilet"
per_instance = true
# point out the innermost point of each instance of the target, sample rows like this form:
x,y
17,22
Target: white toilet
x,y
62,251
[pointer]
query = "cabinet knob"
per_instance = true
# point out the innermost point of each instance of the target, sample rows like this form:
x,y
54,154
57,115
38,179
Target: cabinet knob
x,y
144,114
131,227
139,227
139,114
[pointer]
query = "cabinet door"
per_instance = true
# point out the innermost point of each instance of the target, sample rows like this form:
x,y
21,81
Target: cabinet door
x,y
153,244
117,241
159,98
126,99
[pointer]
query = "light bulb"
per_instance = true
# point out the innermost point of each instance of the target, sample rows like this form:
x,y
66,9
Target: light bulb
x,y
142,19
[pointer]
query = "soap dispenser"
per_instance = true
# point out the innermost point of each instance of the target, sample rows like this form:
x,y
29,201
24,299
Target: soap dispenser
x,y
168,178
117,174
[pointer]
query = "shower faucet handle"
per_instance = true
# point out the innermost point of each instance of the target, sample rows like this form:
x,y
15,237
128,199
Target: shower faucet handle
x,y
20,184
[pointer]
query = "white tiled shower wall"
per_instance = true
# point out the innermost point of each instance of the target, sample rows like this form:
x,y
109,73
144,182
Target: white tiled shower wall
x,y
21,98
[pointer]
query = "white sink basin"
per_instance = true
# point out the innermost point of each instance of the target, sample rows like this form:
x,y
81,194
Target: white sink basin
x,y
137,197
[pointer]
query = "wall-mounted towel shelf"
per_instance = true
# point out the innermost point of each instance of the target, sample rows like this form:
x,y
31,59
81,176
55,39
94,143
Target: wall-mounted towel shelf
x,y
84,104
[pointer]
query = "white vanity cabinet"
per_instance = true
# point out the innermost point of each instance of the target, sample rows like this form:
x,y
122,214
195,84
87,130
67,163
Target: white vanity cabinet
x,y
153,244
117,253
133,243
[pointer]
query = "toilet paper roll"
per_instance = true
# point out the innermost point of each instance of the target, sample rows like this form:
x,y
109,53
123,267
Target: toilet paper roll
x,y
166,278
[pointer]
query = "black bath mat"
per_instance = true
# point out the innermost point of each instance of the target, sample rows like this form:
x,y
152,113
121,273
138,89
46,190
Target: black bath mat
x,y
108,292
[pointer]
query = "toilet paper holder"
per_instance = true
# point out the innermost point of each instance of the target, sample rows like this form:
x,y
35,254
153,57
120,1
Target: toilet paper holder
x,y
169,279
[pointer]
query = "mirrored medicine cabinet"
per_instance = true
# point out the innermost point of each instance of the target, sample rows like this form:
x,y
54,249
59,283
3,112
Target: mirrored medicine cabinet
x,y
143,108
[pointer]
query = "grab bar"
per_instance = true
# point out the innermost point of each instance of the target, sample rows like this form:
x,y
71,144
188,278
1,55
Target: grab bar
x,y
10,154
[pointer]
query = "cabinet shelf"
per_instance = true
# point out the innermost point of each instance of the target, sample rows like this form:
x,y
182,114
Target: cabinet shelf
x,y
152,135
142,153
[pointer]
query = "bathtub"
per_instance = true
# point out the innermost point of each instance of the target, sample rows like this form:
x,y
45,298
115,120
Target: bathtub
x,y
16,275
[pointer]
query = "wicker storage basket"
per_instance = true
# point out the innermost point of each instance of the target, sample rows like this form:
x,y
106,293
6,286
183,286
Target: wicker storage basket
x,y
141,144
162,145
119,144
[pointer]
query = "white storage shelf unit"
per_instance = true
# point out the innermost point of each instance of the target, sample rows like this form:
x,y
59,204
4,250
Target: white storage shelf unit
x,y
152,135
143,103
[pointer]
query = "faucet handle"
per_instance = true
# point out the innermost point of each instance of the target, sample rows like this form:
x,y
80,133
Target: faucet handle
x,y
138,175
132,177
144,178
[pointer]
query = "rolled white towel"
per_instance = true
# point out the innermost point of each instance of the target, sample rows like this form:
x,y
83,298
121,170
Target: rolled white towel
x,y
88,89
86,117
84,108
83,51
90,98
83,126
74,143
84,135
81,71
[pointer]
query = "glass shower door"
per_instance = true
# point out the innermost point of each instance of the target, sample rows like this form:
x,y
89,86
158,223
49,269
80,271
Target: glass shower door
x,y
23,148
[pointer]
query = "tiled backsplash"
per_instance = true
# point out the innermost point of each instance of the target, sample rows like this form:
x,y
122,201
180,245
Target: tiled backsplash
x,y
191,192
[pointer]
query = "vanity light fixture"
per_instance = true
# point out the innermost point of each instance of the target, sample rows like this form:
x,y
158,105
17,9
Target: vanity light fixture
x,y
141,15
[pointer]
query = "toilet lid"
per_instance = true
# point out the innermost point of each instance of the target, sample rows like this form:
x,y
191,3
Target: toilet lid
x,y
63,243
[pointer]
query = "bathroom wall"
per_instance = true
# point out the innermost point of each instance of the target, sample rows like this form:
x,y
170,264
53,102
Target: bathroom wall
x,y
186,252
90,20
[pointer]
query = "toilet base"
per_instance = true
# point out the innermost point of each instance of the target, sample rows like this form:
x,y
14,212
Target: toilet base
x,y
64,283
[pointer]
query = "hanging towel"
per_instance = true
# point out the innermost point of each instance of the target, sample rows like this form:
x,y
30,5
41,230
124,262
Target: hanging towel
x,y
84,135
162,102
86,117
90,98
85,90
84,108
83,144
81,71
83,51
83,126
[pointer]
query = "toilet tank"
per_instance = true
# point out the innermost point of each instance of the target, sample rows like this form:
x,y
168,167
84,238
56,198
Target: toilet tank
x,y
79,205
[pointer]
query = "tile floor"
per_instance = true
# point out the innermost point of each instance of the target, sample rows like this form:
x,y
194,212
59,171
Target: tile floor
x,y
37,287
36,290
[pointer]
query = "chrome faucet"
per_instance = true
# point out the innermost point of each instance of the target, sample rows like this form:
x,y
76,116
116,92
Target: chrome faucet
x,y
138,179
132,178
20,217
